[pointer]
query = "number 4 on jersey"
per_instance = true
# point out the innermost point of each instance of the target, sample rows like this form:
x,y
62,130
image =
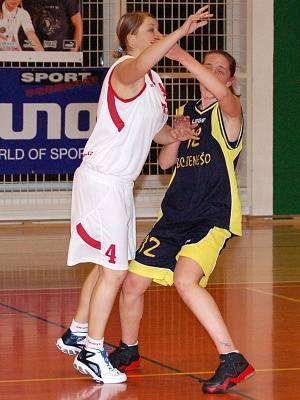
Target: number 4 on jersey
x,y
111,253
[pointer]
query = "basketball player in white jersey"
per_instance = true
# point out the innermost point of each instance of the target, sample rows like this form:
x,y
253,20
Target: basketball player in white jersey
x,y
132,112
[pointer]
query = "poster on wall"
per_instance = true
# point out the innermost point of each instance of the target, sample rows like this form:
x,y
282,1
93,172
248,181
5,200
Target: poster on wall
x,y
41,30
46,118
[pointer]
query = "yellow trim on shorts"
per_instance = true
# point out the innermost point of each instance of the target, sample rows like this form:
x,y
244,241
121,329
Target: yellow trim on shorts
x,y
162,276
206,251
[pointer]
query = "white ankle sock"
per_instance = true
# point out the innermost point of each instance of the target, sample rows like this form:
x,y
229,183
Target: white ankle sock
x,y
135,344
95,344
233,351
78,328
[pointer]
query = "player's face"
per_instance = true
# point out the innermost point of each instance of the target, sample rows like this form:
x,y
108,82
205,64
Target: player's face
x,y
147,34
12,4
219,66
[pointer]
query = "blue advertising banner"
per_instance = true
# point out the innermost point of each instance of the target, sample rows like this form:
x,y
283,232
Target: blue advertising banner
x,y
46,117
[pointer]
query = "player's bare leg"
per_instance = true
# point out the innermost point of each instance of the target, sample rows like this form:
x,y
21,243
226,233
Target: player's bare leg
x,y
93,359
82,313
186,278
73,339
233,368
126,357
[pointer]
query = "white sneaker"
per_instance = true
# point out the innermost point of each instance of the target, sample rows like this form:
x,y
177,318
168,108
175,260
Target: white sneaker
x,y
96,363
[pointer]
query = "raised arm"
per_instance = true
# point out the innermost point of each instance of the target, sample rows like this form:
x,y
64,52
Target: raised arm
x,y
132,70
229,103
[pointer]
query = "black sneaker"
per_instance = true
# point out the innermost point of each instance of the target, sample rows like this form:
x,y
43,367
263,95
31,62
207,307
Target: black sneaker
x,y
125,358
234,368
70,343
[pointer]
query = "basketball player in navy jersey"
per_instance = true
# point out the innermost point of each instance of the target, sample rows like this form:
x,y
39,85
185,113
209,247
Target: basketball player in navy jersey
x,y
200,211
103,215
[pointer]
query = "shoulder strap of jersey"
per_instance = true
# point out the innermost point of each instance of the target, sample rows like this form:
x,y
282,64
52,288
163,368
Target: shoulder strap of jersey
x,y
187,108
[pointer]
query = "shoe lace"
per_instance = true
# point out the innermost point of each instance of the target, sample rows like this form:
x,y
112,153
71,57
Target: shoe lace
x,y
119,350
106,360
79,339
222,369
122,353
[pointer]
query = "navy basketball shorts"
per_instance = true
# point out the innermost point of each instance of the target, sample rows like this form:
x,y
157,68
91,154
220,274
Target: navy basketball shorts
x,y
160,250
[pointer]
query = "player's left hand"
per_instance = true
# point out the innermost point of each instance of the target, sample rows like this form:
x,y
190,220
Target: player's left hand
x,y
197,20
183,129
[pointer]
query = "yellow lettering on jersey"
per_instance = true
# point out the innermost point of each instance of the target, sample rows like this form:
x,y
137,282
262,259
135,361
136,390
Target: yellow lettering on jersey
x,y
193,161
195,142
143,244
147,252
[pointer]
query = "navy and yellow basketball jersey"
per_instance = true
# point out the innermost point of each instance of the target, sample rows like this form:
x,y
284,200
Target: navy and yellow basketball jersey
x,y
203,187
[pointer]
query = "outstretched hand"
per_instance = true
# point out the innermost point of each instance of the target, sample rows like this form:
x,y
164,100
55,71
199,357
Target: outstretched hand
x,y
197,20
183,129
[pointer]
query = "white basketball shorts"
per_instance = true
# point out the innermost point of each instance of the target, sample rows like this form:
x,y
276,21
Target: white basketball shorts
x,y
103,229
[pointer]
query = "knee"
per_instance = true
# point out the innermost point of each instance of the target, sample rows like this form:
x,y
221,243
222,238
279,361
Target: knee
x,y
114,278
182,285
119,280
134,285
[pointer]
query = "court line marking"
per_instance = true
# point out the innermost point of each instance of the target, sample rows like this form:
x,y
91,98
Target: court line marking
x,y
175,370
29,314
153,375
279,296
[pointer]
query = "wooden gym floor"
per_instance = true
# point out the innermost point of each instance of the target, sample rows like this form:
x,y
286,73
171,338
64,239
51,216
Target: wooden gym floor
x,y
256,284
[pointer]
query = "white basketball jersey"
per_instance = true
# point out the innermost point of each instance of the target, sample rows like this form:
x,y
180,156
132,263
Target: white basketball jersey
x,y
121,139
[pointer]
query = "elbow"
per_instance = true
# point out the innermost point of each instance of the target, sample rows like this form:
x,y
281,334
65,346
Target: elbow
x,y
165,164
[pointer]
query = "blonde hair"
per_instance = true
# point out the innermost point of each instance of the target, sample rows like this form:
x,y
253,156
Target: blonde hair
x,y
128,23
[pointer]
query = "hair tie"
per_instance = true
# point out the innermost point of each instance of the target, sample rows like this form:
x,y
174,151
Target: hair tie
x,y
118,52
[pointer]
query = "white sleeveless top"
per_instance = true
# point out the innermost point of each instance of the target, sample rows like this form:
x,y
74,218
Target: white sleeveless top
x,y
121,139
10,23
